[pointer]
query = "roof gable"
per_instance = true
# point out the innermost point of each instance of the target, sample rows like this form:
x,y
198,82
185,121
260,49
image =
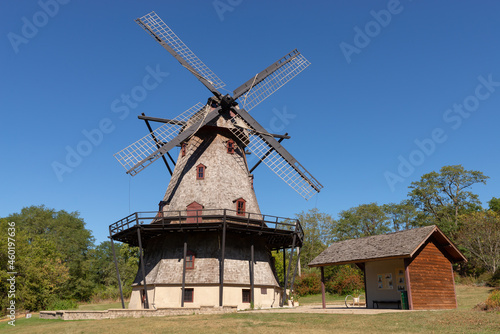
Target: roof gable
x,y
392,245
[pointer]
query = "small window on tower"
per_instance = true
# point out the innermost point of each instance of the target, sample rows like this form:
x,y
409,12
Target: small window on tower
x,y
230,146
190,260
200,172
183,149
240,207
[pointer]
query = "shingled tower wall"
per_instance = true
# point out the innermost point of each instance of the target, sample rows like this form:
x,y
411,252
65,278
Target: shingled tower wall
x,y
226,180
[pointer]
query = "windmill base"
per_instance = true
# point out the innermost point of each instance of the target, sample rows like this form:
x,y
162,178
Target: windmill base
x,y
170,297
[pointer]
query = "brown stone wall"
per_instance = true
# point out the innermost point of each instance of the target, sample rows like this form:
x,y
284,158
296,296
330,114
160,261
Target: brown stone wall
x,y
127,313
431,280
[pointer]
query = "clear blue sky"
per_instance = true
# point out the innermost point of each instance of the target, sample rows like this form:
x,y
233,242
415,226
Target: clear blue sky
x,y
385,76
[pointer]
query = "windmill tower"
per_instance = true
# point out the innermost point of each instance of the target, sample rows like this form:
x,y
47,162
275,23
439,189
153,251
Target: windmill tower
x,y
209,243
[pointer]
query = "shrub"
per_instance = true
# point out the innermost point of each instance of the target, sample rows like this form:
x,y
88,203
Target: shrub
x,y
62,304
308,284
346,281
493,301
107,293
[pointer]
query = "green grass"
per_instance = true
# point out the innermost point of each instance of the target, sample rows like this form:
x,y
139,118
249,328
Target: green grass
x,y
470,296
462,320
316,299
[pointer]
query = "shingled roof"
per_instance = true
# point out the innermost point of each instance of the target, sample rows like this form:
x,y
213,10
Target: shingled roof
x,y
402,244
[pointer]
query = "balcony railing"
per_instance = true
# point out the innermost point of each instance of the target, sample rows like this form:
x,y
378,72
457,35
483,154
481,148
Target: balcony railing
x,y
200,217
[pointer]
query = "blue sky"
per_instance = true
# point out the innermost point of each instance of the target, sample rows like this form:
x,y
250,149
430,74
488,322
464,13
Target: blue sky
x,y
395,90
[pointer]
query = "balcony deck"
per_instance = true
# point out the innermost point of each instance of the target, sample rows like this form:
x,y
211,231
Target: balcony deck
x,y
277,231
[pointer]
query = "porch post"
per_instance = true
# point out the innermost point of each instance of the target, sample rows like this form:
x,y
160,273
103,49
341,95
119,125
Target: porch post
x,y
221,268
116,266
323,287
184,272
146,305
252,268
289,265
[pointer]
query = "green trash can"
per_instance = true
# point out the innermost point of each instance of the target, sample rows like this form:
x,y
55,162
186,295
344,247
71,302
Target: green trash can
x,y
404,300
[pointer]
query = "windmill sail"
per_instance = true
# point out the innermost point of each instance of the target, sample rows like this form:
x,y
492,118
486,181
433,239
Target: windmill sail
x,y
275,156
256,90
155,26
132,157
251,134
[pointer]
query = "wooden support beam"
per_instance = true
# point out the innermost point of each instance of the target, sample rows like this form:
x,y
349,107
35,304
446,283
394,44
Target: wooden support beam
x,y
146,304
252,278
323,287
289,266
117,271
156,140
183,289
408,283
297,266
161,120
221,266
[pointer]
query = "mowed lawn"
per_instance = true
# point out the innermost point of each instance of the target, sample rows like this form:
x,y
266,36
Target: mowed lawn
x,y
462,320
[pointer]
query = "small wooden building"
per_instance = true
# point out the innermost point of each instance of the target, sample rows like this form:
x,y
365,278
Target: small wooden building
x,y
418,261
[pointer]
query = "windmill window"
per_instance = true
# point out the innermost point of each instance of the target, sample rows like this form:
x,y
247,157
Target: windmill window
x,y
190,260
183,149
240,207
230,147
200,172
188,295
246,295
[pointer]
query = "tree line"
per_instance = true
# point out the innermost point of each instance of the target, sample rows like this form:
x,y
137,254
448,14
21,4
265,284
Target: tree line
x,y
58,262
443,198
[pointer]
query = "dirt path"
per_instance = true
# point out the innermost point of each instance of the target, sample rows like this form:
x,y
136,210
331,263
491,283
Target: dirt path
x,y
330,309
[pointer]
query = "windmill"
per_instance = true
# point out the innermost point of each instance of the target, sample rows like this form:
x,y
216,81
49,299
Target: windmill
x,y
210,194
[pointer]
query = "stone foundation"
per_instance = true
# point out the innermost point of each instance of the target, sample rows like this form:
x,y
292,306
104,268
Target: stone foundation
x,y
134,313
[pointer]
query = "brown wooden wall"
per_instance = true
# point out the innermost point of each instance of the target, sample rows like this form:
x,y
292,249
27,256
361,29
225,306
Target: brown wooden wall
x,y
431,280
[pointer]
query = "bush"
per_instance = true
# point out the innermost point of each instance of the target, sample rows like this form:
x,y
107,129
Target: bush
x,y
62,304
491,304
107,293
493,301
346,281
308,284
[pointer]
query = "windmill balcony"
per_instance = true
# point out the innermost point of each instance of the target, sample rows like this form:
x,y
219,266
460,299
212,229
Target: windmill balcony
x,y
278,231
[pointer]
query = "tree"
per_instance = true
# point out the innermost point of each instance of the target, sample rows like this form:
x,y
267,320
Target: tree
x,y
316,226
494,204
480,234
403,216
40,270
103,268
443,196
361,221
72,241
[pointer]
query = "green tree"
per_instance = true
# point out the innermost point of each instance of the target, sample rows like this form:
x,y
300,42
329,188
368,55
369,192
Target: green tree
x,y
103,268
361,221
72,241
317,227
40,270
403,216
494,204
443,196
480,235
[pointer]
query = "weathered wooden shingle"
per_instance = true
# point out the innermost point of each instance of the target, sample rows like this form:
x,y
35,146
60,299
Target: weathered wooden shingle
x,y
397,244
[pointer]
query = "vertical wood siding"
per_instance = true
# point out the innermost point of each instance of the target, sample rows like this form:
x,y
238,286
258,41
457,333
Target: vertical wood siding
x,y
432,284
